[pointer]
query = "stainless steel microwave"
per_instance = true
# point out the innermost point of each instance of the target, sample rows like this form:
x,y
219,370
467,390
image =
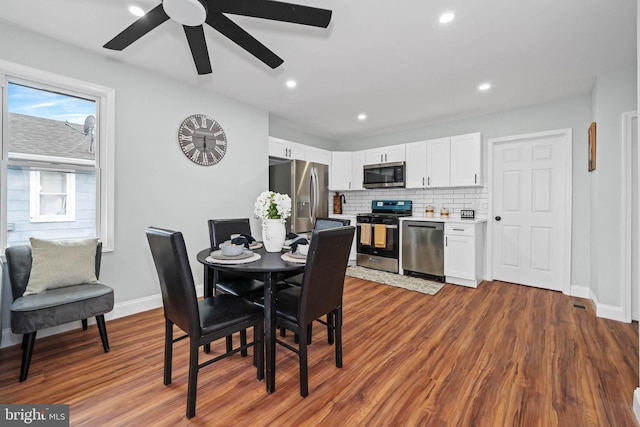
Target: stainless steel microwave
x,y
384,175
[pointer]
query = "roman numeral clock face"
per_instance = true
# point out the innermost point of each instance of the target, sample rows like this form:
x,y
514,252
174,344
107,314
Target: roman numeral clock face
x,y
202,140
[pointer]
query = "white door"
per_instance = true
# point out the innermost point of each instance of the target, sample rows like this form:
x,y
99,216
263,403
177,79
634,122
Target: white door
x,y
530,209
635,225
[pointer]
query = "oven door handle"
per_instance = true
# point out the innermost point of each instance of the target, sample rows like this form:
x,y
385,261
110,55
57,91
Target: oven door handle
x,y
393,226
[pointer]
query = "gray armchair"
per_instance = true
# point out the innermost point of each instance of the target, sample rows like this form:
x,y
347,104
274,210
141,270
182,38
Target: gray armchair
x,y
52,307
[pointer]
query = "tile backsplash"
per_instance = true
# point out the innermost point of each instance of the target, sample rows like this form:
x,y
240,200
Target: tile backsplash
x,y
454,199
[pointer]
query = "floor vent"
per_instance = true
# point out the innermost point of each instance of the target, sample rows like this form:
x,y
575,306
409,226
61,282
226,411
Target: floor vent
x,y
578,304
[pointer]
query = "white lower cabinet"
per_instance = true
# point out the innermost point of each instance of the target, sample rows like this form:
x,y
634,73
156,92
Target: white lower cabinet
x,y
464,253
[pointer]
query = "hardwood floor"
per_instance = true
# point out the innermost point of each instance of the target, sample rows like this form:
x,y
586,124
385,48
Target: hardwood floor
x,y
499,355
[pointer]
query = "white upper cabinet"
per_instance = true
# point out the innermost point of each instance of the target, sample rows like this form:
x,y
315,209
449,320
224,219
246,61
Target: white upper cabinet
x,y
444,162
317,155
357,169
346,170
466,160
286,149
416,170
438,162
428,163
393,153
340,176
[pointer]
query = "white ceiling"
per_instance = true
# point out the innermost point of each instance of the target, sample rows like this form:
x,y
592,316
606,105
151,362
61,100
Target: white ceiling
x,y
392,60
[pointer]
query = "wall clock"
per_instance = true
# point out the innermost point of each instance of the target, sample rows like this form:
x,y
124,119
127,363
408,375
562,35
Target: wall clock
x,y
202,139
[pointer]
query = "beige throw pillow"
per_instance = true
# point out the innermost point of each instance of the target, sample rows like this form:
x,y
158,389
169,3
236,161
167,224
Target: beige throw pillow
x,y
57,264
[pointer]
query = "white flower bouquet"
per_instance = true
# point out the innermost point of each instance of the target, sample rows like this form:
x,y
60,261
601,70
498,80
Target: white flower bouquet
x,y
270,205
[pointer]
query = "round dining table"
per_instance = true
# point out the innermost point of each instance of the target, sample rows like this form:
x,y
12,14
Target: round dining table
x,y
270,269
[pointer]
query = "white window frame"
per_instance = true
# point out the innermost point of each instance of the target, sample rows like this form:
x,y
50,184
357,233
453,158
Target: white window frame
x,y
105,153
35,188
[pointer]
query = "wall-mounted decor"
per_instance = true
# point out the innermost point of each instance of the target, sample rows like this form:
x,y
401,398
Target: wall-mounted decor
x,y
202,139
592,146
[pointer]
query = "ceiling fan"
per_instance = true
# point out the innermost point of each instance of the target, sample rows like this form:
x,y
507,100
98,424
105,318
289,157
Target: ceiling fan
x,y
192,14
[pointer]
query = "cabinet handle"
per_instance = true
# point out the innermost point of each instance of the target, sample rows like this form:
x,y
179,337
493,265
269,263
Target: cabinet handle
x,y
458,229
446,240
423,181
381,158
385,157
475,178
428,180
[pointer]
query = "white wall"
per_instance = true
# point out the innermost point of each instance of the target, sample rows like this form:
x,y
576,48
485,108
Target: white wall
x,y
572,113
279,129
155,183
614,93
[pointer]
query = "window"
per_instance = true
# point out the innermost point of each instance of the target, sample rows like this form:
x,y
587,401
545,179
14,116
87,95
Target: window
x,y
53,196
57,158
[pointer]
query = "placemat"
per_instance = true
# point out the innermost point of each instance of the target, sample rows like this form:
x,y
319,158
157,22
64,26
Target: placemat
x,y
252,258
286,257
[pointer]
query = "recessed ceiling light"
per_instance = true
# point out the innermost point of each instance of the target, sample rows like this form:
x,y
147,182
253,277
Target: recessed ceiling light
x,y
135,10
291,84
362,116
484,86
447,17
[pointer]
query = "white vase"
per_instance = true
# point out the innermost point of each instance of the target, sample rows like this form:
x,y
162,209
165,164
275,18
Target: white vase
x,y
273,235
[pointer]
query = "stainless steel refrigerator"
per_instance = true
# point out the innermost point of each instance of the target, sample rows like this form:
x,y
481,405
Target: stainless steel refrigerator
x,y
307,184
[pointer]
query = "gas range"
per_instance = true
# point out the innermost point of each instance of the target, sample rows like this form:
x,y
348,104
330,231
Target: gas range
x,y
386,212
378,234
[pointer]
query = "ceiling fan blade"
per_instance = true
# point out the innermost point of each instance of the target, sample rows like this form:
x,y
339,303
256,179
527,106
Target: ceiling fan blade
x,y
275,10
243,39
198,46
142,26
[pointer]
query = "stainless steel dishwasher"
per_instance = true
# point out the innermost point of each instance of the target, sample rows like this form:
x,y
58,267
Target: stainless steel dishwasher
x,y
423,248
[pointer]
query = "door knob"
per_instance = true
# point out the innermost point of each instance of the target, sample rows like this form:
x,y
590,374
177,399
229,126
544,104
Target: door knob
x,y
498,218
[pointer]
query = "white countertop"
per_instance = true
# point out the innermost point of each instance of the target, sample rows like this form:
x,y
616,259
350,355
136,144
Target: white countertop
x,y
422,218
440,219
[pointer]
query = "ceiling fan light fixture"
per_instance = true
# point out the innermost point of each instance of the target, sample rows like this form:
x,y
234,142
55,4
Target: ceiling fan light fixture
x,y
186,12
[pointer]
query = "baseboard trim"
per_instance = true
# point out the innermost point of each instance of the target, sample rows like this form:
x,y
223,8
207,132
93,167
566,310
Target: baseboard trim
x,y
580,291
636,403
605,311
122,309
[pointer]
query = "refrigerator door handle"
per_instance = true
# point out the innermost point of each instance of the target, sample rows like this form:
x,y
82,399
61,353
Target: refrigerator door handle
x,y
316,196
312,195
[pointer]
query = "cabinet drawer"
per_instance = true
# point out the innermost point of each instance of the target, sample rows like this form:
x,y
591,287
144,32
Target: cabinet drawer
x,y
458,229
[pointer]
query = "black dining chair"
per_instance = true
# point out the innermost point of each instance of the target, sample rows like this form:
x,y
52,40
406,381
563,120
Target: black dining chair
x,y
321,293
320,224
220,230
203,321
